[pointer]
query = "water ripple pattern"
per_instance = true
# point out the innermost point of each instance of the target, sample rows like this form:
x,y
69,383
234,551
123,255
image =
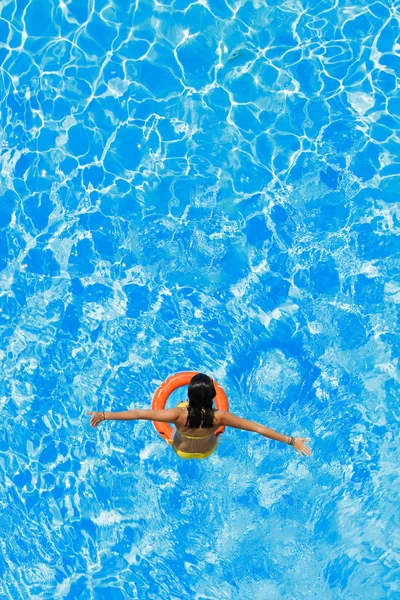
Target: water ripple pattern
x,y
209,186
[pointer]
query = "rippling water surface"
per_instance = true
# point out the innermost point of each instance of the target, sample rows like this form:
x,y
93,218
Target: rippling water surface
x,y
207,186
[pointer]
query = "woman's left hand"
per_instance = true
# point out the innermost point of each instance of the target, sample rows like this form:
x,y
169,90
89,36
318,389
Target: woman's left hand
x,y
97,418
300,447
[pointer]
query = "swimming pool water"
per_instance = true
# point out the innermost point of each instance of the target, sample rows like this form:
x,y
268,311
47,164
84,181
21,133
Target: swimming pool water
x,y
207,186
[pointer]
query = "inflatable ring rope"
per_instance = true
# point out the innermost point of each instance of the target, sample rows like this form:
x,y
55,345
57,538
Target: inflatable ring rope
x,y
171,384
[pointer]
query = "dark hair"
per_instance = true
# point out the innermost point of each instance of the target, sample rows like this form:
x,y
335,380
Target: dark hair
x,y
200,410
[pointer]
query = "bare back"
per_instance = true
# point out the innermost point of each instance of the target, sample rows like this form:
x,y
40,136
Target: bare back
x,y
207,438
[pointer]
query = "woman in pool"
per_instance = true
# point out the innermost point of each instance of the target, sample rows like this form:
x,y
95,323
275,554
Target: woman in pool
x,y
197,417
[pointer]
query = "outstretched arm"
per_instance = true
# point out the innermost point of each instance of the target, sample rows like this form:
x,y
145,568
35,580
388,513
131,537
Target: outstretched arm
x,y
170,415
231,420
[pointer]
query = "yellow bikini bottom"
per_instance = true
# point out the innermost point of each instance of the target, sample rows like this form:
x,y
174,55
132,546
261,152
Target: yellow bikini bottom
x,y
193,454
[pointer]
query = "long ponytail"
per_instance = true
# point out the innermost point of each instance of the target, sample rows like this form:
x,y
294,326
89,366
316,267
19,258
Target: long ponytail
x,y
200,410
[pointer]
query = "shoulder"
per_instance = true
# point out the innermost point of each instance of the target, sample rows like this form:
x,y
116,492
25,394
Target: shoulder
x,y
229,419
221,416
182,413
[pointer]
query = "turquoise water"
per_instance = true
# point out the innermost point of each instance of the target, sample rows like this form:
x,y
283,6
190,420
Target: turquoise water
x,y
205,186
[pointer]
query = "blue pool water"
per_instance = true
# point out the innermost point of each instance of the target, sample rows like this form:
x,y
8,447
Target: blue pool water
x,y
208,186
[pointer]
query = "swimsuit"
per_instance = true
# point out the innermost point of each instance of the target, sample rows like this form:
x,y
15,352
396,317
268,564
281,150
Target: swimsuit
x,y
195,437
188,455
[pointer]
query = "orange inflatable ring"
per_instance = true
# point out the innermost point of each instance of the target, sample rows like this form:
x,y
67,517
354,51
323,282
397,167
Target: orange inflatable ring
x,y
165,390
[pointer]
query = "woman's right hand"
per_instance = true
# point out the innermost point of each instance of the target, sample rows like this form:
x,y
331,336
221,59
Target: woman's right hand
x,y
300,446
97,418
